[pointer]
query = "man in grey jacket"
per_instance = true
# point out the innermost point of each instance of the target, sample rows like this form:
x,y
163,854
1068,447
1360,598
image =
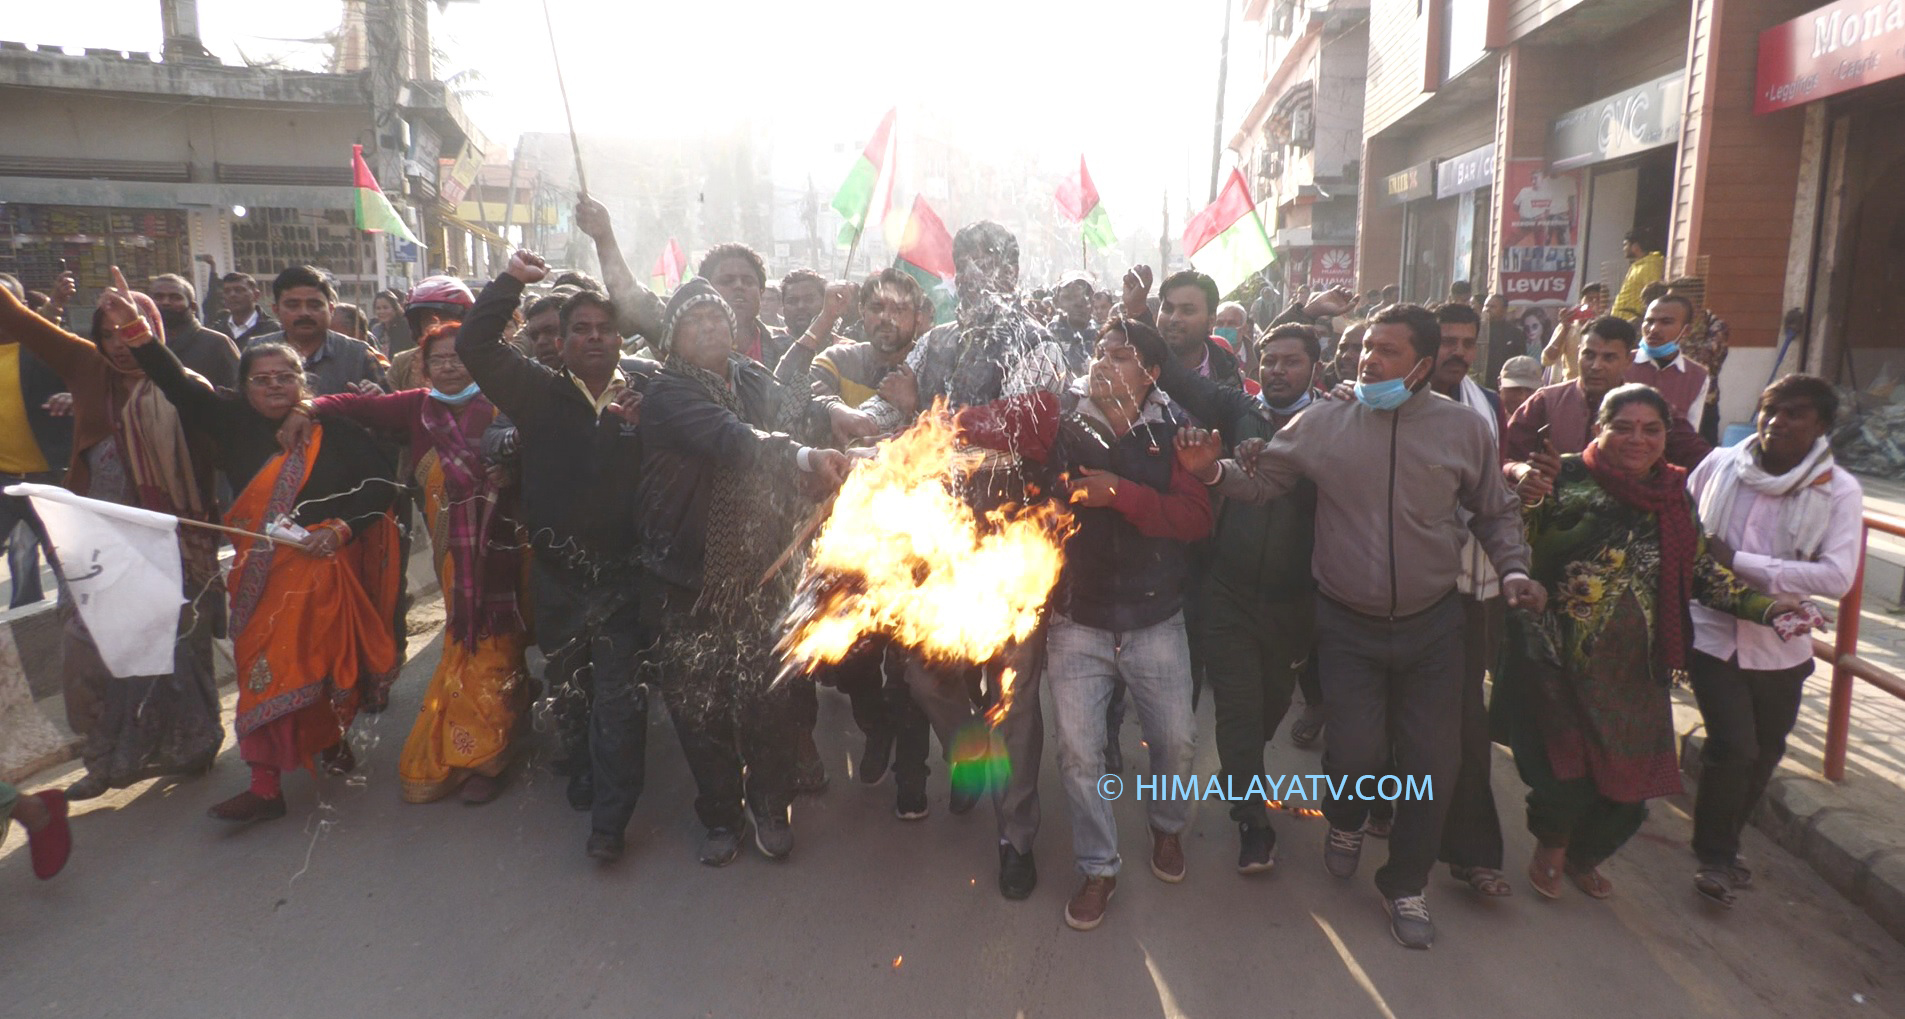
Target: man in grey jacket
x,y
1393,469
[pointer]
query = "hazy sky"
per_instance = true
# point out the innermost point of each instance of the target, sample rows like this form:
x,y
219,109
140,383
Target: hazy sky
x,y
1130,84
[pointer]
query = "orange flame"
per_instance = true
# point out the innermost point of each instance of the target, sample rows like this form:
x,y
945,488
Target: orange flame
x,y
1007,678
903,555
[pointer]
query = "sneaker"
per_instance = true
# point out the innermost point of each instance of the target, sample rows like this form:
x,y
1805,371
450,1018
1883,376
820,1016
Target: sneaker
x,y
1256,848
810,772
1308,728
604,846
582,790
720,846
1018,875
247,807
910,804
1167,856
1342,850
962,800
53,843
1087,908
773,836
1379,827
877,757
1409,921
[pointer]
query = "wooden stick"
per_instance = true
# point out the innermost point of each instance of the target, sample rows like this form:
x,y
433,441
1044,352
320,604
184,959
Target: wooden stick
x,y
581,179
807,530
241,533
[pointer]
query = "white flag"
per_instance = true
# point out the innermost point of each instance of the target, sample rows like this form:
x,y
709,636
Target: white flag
x,y
122,568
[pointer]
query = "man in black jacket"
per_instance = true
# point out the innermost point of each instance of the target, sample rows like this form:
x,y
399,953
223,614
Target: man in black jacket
x,y
206,351
1259,613
717,504
581,455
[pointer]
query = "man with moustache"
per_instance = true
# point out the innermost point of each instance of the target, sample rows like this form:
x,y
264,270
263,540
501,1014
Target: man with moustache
x,y
333,362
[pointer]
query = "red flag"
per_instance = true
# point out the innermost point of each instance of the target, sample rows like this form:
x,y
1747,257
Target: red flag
x,y
1078,195
670,265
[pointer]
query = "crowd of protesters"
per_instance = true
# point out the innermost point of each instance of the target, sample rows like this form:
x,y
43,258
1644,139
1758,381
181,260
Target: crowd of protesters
x,y
1376,506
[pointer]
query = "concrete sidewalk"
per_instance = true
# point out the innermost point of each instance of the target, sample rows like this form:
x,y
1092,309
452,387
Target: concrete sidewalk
x,y
1852,832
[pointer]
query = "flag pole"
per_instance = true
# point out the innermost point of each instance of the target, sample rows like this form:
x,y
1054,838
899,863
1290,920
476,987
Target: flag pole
x,y
582,179
241,533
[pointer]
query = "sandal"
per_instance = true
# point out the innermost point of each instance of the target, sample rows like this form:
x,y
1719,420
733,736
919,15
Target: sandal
x,y
1544,871
1591,881
1741,874
1483,880
339,759
1713,884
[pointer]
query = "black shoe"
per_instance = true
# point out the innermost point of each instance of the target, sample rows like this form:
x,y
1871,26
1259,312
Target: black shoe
x,y
604,846
721,845
1018,875
582,790
910,804
877,757
1256,848
88,787
773,836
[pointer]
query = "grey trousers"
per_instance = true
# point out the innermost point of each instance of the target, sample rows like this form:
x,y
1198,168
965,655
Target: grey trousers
x,y
1393,684
1019,738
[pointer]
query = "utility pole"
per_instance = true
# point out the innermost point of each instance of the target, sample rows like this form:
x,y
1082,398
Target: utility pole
x,y
1217,129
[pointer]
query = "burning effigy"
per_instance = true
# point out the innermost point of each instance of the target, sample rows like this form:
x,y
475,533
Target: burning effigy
x,y
904,557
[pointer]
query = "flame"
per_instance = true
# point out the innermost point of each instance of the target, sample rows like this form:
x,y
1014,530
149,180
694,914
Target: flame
x,y
1007,680
903,556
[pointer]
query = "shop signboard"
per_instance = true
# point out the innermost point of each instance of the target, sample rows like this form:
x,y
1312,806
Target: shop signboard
x,y
1540,242
1469,171
1638,119
1834,49
1417,181
1332,265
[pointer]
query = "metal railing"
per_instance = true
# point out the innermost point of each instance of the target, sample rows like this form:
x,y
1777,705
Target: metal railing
x,y
1843,654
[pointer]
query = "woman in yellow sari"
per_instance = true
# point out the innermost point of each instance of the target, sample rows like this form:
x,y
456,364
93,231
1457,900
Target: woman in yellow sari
x,y
462,734
310,612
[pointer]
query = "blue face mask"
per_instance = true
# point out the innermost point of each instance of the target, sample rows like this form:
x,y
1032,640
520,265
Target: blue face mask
x,y
1384,395
458,398
1660,353
1229,334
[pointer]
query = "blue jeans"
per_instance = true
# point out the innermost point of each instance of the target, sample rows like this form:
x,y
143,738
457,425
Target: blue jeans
x,y
1082,664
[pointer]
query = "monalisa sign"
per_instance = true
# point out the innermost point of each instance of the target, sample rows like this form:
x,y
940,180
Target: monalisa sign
x,y
1834,49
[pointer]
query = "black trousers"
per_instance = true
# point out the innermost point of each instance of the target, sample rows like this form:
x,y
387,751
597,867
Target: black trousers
x,y
1748,715
873,676
1393,685
23,556
592,636
1255,650
1472,831
737,730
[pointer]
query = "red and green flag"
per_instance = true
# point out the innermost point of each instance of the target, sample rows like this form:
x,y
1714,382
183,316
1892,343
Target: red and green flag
x,y
854,200
1227,241
1078,200
375,214
670,266
926,254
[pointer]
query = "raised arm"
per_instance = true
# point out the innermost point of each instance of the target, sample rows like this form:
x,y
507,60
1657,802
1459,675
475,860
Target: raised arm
x,y
65,353
200,406
1208,402
511,379
1026,424
637,309
384,412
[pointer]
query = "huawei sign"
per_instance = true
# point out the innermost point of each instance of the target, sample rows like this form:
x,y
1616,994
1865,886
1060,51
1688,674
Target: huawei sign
x,y
1332,267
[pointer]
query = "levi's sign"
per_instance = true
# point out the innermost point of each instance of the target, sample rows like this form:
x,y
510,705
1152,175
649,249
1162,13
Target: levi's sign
x,y
1834,49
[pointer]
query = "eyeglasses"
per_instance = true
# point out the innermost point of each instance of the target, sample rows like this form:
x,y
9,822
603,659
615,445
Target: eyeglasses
x,y
265,380
444,361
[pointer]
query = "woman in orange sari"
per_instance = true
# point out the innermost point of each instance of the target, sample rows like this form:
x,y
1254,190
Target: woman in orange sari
x,y
309,612
462,734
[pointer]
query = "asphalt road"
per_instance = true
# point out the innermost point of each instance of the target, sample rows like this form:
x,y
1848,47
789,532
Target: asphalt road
x,y
361,905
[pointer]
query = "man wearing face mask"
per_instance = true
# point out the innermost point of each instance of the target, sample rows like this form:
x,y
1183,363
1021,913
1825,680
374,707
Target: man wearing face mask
x,y
206,351
1259,598
1393,468
1660,364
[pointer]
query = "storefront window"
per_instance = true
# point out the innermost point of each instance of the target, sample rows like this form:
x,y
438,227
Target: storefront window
x,y
38,242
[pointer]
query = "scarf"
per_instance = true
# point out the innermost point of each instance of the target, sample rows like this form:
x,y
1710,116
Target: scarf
x,y
164,478
1664,494
1805,500
741,529
1470,395
484,577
